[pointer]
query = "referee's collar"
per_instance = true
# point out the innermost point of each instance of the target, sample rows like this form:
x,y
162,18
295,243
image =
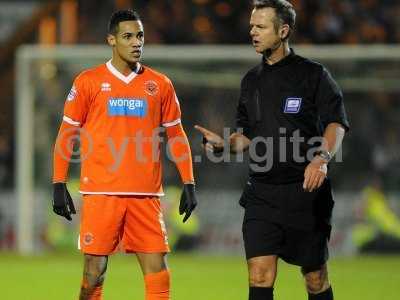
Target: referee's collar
x,y
283,62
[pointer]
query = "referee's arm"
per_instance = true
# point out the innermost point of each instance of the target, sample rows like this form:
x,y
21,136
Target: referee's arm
x,y
333,138
332,113
238,143
316,171
212,142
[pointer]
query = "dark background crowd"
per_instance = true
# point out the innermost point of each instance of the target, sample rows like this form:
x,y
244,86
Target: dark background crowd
x,y
216,21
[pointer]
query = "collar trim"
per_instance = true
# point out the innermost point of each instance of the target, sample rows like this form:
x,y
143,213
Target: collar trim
x,y
119,75
283,62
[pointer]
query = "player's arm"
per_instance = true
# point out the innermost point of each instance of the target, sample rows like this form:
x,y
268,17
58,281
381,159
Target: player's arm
x,y
75,110
329,100
62,201
179,148
180,151
181,155
212,142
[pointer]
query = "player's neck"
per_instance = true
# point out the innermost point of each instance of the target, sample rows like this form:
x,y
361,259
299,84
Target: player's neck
x,y
278,54
123,67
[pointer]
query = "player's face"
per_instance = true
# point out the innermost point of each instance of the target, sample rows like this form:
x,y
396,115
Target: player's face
x,y
262,30
128,41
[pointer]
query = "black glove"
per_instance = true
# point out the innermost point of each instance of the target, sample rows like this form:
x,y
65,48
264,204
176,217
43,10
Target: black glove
x,y
188,201
62,201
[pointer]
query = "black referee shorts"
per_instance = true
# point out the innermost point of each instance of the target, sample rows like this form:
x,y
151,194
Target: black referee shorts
x,y
286,221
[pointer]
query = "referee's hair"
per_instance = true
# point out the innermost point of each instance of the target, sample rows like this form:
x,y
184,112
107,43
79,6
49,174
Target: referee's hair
x,y
284,11
121,16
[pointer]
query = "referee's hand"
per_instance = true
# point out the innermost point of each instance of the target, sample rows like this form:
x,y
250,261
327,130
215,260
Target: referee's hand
x,y
211,141
315,174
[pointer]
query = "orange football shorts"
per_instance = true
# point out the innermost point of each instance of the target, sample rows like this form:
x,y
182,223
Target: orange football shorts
x,y
133,223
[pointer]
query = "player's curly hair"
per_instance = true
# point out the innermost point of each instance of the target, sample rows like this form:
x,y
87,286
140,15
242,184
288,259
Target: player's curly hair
x,y
284,11
121,16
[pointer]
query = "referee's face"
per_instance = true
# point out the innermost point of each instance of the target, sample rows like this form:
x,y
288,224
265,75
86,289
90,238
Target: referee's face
x,y
262,30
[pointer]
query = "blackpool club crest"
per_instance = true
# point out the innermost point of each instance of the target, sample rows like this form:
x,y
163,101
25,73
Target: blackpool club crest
x,y
88,238
151,87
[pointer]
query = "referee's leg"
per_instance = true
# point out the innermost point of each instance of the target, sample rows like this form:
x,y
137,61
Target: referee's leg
x,y
317,283
262,275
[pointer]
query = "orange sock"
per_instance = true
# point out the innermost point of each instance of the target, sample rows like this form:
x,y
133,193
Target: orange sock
x,y
97,293
157,285
93,294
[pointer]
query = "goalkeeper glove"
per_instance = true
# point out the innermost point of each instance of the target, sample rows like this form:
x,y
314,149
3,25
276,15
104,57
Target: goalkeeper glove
x,y
188,201
62,201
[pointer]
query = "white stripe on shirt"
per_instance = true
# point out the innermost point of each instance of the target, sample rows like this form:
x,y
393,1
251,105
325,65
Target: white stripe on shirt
x,y
173,123
70,121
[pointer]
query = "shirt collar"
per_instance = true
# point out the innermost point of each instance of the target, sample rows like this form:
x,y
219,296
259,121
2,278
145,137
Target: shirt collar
x,y
119,75
283,62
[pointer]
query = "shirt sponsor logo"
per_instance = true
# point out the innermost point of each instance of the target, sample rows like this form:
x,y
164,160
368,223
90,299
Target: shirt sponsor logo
x,y
130,107
106,87
293,105
72,94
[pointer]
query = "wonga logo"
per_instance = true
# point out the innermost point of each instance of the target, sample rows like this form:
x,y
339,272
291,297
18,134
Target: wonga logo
x,y
127,107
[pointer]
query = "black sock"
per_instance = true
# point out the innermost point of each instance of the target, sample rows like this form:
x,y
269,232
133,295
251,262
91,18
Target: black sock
x,y
261,293
326,295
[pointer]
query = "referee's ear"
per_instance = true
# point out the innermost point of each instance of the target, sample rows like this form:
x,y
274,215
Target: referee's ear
x,y
284,32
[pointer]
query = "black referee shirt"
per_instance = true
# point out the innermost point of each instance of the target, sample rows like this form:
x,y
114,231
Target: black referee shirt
x,y
294,96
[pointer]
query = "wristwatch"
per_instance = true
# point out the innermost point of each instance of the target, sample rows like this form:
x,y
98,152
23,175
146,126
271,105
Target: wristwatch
x,y
325,155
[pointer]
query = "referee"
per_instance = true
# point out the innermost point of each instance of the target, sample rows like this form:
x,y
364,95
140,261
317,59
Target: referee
x,y
291,118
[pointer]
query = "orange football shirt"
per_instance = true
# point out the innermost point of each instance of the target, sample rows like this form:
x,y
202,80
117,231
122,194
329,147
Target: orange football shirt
x,y
120,119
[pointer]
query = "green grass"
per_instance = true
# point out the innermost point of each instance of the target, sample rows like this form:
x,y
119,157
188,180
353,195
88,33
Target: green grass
x,y
194,277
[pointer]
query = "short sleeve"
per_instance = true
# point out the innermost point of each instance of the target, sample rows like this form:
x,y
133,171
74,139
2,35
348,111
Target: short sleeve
x,y
77,103
242,117
329,100
170,109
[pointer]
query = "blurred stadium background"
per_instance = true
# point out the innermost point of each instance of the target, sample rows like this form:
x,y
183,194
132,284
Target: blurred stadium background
x,y
203,46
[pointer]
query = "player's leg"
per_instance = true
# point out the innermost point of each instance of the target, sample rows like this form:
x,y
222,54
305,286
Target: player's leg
x,y
156,275
152,262
100,231
145,235
262,275
94,271
317,283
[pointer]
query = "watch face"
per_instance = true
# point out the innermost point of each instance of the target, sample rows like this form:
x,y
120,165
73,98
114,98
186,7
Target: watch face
x,y
325,155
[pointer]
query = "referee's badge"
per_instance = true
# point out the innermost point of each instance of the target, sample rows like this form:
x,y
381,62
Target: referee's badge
x,y
293,105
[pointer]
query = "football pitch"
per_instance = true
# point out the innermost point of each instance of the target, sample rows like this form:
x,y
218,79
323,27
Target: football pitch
x,y
194,277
